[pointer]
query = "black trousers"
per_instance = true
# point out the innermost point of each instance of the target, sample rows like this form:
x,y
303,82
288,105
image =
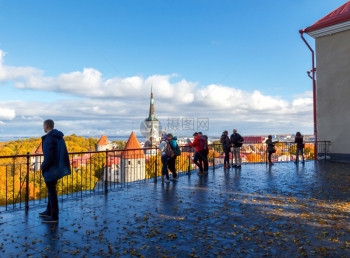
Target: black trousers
x,y
227,156
204,154
171,166
198,159
269,156
52,204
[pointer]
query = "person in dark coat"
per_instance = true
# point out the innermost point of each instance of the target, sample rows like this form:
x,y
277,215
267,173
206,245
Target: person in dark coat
x,y
270,148
172,161
226,146
300,147
55,165
205,152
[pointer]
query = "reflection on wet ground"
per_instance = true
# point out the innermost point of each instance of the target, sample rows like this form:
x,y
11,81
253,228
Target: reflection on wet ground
x,y
283,210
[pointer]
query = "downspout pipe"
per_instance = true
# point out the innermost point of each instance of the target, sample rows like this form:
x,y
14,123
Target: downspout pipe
x,y
313,77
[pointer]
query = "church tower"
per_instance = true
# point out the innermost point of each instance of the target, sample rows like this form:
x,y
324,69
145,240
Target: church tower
x,y
151,127
132,161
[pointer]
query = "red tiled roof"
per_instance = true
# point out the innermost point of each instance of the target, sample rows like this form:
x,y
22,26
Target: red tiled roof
x,y
39,149
253,139
340,15
103,140
133,143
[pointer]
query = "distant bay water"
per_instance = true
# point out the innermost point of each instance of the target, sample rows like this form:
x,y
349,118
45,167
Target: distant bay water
x,y
111,138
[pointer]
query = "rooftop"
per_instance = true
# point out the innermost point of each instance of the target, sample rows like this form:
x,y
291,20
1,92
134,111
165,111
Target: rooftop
x,y
288,209
103,140
340,15
134,148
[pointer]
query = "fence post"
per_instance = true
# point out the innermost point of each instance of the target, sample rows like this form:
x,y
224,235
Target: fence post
x,y
156,166
214,161
27,184
189,165
105,172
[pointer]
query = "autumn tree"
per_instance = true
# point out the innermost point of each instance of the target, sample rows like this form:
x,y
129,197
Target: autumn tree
x,y
255,157
120,145
217,146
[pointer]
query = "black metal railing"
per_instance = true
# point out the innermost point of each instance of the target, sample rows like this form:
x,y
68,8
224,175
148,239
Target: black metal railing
x,y
22,185
256,152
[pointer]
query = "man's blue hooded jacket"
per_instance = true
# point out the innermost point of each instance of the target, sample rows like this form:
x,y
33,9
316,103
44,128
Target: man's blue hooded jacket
x,y
56,160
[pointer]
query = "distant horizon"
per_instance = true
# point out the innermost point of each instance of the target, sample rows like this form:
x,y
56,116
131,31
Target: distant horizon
x,y
126,137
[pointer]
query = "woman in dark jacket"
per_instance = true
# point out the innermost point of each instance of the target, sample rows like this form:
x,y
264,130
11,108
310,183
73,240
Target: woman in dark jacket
x,y
226,145
300,147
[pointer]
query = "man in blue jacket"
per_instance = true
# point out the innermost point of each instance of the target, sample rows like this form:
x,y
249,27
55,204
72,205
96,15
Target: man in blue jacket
x,y
55,166
237,141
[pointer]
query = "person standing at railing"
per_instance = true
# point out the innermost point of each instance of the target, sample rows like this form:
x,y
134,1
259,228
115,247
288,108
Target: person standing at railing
x,y
198,148
166,154
55,166
226,146
300,147
172,161
204,152
270,148
237,142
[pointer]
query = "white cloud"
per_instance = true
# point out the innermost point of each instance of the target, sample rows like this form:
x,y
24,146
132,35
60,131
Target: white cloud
x,y
120,104
18,74
7,113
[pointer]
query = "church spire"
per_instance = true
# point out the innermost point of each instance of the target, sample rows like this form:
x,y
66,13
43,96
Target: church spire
x,y
151,116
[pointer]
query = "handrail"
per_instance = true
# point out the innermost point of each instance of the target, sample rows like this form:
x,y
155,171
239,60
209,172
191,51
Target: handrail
x,y
101,171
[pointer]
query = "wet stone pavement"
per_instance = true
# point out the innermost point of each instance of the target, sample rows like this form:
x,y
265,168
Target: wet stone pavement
x,y
280,211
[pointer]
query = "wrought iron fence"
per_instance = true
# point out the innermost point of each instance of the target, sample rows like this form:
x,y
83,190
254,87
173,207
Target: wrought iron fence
x,y
256,152
22,185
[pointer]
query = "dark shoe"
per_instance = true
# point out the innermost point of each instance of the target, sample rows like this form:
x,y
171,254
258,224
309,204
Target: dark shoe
x,y
50,220
44,214
205,172
239,166
234,166
200,173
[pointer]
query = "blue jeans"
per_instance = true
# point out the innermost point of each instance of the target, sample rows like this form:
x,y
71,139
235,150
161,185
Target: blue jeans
x,y
299,152
165,172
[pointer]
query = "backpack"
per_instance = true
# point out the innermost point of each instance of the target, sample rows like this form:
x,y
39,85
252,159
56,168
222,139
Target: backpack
x,y
169,150
203,145
177,150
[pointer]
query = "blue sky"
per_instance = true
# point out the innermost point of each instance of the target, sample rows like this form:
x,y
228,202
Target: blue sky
x,y
89,65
